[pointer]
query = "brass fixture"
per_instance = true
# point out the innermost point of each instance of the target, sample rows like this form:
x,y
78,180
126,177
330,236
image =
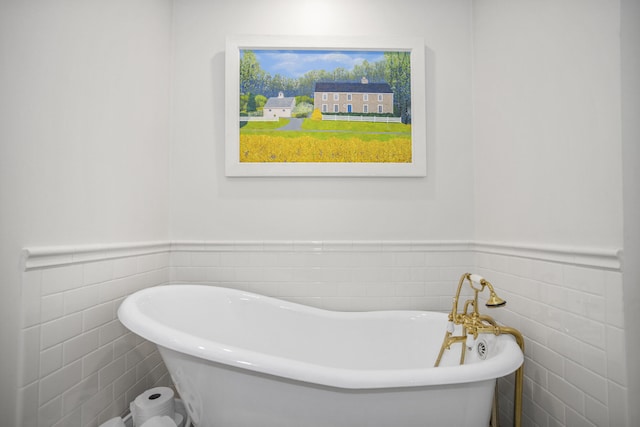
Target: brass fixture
x,y
473,323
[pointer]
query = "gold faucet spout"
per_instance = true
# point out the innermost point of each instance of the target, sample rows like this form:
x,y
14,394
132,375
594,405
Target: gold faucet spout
x,y
450,339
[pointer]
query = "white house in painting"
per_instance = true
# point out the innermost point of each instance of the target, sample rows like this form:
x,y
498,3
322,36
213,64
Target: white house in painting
x,y
279,106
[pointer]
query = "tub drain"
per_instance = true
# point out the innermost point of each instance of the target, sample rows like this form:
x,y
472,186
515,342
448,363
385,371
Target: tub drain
x,y
482,349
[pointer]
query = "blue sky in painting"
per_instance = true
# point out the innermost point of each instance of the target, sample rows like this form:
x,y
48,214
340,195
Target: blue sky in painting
x,y
295,63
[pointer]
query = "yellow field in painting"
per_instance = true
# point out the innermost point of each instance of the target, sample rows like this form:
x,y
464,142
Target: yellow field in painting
x,y
309,148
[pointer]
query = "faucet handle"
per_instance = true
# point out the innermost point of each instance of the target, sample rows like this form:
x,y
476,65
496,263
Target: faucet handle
x,y
476,278
471,340
450,327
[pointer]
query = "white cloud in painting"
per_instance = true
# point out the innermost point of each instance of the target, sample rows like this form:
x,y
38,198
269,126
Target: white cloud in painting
x,y
297,63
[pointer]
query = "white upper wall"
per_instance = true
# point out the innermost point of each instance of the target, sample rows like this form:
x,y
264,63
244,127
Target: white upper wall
x,y
630,49
207,205
84,136
86,144
547,122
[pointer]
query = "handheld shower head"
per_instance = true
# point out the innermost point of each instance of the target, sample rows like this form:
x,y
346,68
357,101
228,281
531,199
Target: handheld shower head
x,y
494,300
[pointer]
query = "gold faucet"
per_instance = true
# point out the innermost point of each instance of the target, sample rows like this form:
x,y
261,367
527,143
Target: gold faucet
x,y
473,323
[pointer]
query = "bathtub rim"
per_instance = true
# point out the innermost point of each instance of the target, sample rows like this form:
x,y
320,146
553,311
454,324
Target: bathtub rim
x,y
509,359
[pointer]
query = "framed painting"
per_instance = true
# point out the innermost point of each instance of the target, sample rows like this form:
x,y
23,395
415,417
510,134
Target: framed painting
x,y
325,106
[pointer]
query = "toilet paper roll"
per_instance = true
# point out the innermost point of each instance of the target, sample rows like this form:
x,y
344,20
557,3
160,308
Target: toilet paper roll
x,y
114,422
163,421
155,402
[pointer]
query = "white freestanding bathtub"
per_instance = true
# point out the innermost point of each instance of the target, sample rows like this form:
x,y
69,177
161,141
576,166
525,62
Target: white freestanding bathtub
x,y
244,360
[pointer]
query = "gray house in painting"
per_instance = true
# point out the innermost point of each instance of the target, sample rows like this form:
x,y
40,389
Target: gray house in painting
x,y
353,97
279,106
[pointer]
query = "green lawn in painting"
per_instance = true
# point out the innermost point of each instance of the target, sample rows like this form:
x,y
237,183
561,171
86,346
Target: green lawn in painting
x,y
260,125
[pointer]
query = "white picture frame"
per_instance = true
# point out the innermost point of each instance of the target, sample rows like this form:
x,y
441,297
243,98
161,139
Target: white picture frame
x,y
415,167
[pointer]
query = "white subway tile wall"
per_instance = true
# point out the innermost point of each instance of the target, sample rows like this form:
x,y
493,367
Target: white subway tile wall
x,y
332,275
570,316
81,366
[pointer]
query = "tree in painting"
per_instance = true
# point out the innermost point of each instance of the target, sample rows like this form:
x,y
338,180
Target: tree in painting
x,y
394,68
398,75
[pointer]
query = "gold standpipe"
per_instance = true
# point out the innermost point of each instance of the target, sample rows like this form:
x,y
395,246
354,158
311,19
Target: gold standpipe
x,y
474,323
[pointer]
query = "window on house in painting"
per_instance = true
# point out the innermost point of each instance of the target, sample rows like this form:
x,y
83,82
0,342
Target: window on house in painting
x,y
325,96
365,108
365,96
349,97
379,108
379,97
336,108
325,108
336,96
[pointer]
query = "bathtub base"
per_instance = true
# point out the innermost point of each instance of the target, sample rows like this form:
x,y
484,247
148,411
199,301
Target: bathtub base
x,y
217,395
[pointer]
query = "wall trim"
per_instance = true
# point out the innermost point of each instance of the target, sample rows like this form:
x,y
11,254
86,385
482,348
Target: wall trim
x,y
607,258
322,246
51,256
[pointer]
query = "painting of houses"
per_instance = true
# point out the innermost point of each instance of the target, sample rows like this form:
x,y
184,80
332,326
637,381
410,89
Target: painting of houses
x,y
309,107
279,106
353,97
